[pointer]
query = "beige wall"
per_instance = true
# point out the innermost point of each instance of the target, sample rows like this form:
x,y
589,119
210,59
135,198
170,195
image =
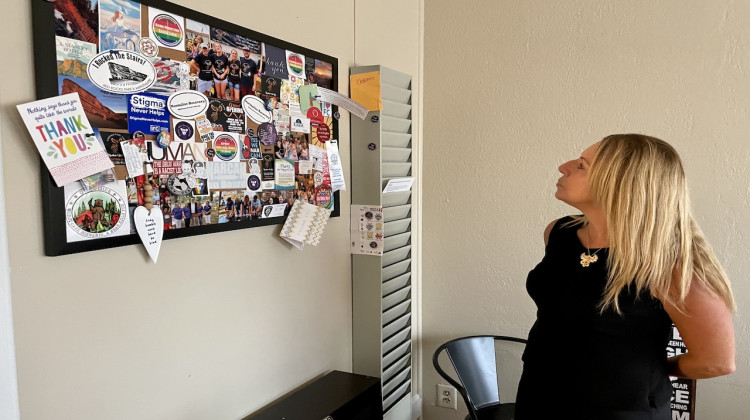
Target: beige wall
x,y
221,326
512,89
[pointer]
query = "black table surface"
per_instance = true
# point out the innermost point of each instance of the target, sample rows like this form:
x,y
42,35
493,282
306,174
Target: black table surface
x,y
321,397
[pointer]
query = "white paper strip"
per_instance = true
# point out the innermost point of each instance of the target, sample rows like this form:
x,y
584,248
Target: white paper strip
x,y
334,166
349,104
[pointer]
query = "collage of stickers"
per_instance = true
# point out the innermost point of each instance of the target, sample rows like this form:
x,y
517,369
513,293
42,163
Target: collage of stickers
x,y
222,127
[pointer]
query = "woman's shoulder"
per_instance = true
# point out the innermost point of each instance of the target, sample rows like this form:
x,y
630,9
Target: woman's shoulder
x,y
556,225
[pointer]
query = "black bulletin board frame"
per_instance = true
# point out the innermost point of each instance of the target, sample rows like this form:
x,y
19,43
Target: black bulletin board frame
x,y
46,84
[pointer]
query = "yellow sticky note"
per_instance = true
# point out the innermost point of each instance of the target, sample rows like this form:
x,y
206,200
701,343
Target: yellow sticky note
x,y
365,89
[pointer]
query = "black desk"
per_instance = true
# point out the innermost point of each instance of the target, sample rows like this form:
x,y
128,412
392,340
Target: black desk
x,y
337,396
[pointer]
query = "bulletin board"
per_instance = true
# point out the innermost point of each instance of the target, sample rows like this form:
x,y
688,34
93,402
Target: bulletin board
x,y
259,146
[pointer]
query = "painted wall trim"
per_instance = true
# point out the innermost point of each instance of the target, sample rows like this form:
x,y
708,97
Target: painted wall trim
x,y
9,407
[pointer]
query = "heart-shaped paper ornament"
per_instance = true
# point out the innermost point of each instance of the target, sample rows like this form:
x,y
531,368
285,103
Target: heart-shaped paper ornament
x,y
150,228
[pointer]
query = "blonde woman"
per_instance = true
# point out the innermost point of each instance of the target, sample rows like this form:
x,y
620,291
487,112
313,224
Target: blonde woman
x,y
611,283
234,76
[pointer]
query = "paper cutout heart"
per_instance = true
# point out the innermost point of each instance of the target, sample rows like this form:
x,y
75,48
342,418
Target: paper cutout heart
x,y
150,228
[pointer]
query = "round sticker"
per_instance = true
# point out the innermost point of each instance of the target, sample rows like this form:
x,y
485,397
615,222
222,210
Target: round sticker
x,y
96,213
210,152
167,30
372,146
267,134
148,47
121,71
163,139
187,104
322,132
163,71
337,115
255,109
253,183
225,147
250,132
375,118
177,184
295,64
184,130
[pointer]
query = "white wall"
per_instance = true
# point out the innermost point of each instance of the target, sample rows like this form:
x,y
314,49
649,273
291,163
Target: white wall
x,y
513,89
221,326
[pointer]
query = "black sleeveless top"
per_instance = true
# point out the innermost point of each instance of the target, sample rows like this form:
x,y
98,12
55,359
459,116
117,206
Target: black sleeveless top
x,y
584,364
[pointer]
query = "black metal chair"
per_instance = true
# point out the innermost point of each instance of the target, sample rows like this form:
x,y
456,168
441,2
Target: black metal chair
x,y
474,361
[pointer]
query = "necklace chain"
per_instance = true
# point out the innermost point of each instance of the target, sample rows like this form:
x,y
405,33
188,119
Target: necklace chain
x,y
587,258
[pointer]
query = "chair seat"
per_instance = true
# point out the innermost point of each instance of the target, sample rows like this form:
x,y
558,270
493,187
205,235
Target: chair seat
x,y
496,412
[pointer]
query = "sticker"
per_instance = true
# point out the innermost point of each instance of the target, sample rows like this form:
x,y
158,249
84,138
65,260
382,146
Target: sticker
x,y
73,56
148,47
267,134
187,104
205,130
226,175
210,152
295,64
184,130
226,147
178,184
300,125
163,139
167,78
226,116
167,167
253,183
323,196
147,113
166,28
273,210
121,71
255,109
97,213
322,132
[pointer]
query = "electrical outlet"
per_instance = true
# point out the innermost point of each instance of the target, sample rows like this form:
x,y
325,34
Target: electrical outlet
x,y
446,396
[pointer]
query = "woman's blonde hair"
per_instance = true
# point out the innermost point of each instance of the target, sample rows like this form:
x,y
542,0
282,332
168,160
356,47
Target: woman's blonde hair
x,y
654,243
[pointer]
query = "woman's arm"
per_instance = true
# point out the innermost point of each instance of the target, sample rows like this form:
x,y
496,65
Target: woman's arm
x,y
705,325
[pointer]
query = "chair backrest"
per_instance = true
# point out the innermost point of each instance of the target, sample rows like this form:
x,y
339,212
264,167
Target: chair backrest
x,y
473,359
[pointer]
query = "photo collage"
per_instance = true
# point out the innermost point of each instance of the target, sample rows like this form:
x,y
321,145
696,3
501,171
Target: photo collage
x,y
222,127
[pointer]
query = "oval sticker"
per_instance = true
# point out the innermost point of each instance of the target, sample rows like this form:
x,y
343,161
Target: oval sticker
x,y
186,104
255,109
121,71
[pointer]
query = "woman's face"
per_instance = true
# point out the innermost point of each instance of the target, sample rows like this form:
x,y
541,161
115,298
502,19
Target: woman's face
x,y
573,185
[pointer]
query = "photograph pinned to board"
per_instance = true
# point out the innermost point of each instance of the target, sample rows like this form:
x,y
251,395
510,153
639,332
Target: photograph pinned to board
x,y
159,109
